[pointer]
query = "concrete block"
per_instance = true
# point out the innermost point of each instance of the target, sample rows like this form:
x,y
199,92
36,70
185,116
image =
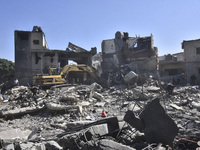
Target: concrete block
x,y
131,77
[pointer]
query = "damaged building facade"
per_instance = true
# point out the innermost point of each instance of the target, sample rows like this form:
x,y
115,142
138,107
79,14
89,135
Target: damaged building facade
x,y
171,65
133,53
192,59
187,63
32,55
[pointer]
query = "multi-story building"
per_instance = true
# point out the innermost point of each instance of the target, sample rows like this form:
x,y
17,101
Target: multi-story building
x,y
192,58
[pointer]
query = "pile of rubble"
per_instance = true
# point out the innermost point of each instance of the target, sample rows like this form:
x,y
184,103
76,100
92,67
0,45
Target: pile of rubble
x,y
89,116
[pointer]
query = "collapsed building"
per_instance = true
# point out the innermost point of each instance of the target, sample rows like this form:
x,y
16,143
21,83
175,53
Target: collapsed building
x,y
125,53
32,55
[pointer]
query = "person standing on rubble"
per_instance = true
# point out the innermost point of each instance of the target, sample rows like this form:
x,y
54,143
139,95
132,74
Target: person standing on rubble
x,y
16,82
169,88
4,87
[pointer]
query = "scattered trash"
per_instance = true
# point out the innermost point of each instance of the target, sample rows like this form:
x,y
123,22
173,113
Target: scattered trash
x,y
104,114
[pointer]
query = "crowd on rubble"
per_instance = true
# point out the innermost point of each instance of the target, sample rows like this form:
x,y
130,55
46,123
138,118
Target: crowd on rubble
x,y
75,116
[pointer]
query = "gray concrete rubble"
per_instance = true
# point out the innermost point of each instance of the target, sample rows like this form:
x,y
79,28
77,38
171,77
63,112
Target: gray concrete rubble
x,y
143,116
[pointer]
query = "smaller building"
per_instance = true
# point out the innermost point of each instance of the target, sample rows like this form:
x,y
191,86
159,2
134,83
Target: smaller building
x,y
192,59
171,66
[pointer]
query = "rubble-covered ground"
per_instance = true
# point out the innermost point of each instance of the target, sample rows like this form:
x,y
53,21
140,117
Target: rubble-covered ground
x,y
91,117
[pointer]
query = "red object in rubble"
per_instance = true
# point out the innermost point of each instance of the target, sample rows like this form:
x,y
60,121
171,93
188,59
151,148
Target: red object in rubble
x,y
104,114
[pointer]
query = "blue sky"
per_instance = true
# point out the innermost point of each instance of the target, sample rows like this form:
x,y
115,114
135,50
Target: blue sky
x,y
87,22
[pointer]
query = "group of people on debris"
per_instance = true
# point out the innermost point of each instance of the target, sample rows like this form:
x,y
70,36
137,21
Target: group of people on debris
x,y
180,81
6,85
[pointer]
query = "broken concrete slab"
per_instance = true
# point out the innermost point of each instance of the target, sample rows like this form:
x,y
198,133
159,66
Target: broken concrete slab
x,y
98,96
12,134
159,127
59,107
71,98
106,144
20,111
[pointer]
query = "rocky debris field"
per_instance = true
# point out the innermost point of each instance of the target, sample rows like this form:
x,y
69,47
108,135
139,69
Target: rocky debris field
x,y
91,117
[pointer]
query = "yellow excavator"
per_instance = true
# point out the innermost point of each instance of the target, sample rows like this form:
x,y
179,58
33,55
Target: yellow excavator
x,y
72,74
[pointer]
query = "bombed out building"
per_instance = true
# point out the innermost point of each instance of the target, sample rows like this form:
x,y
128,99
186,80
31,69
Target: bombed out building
x,y
137,54
32,55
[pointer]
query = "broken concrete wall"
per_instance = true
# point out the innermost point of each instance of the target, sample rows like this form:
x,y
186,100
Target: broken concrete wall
x,y
192,58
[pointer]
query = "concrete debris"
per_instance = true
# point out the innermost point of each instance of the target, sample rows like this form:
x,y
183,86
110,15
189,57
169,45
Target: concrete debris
x,y
70,117
131,78
112,145
12,134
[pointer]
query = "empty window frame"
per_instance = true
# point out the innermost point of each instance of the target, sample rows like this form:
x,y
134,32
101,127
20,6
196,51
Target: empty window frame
x,y
198,50
37,42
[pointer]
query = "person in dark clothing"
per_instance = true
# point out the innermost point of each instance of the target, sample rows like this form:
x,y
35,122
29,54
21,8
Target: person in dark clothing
x,y
169,88
4,87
